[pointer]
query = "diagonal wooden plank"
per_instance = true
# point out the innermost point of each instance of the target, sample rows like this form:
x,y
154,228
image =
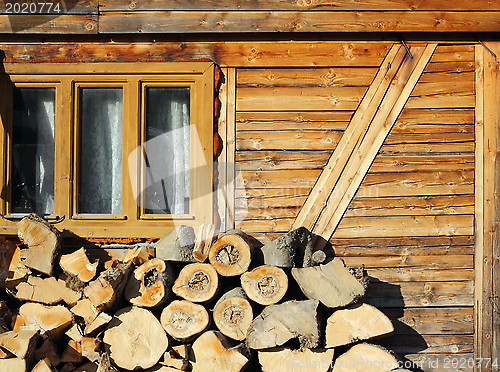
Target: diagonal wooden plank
x,y
364,154
316,200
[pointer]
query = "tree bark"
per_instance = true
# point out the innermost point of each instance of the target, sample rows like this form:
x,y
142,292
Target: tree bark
x,y
289,250
77,265
184,320
212,353
279,323
231,253
43,241
233,314
365,358
265,285
287,360
197,282
135,339
150,285
356,323
332,284
177,245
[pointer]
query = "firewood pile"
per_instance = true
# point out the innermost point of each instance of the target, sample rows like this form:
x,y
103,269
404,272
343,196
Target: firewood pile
x,y
205,302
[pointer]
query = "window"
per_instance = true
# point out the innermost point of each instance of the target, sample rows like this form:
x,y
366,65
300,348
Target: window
x,y
117,149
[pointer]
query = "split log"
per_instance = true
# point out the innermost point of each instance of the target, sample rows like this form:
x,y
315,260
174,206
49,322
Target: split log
x,y
86,310
332,284
49,351
287,360
365,358
292,249
90,348
135,339
265,285
13,364
137,255
205,236
104,291
197,282
98,323
233,314
356,323
174,359
11,268
279,323
43,241
150,284
177,245
43,366
50,320
77,265
48,291
5,317
75,332
72,353
20,343
184,320
231,253
212,353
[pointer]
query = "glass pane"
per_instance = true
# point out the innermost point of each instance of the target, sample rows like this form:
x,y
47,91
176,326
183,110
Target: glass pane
x,y
167,150
33,151
100,151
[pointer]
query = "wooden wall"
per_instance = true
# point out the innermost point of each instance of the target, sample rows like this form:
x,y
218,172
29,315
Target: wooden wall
x,y
411,222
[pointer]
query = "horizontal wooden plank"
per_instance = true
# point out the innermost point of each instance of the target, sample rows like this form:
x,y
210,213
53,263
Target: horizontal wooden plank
x,y
272,160
287,140
402,127
429,321
211,5
452,81
293,99
426,294
156,21
436,116
58,8
433,262
457,147
49,24
298,117
463,362
453,52
442,100
450,67
443,242
350,251
324,77
424,344
291,125
428,138
228,54
376,227
421,274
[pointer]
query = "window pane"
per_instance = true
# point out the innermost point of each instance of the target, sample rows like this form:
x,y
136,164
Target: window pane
x,y
167,150
33,151
101,151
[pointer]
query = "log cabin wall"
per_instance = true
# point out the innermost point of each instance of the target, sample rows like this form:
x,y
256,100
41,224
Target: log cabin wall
x,y
287,101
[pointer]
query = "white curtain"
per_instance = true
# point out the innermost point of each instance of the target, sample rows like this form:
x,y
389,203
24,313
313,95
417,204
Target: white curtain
x,y
100,189
167,187
33,151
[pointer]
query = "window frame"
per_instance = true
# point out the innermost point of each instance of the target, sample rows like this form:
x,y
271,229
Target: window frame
x,y
133,77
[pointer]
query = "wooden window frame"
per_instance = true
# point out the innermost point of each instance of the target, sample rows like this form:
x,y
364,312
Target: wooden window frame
x,y
132,223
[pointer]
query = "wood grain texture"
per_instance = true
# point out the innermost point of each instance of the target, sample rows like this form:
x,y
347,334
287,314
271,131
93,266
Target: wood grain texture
x,y
66,7
49,24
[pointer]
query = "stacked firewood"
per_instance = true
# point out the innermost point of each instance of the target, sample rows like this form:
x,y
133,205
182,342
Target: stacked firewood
x,y
204,302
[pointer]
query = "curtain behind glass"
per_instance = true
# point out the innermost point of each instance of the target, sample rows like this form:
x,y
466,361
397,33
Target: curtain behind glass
x,y
167,150
100,189
33,151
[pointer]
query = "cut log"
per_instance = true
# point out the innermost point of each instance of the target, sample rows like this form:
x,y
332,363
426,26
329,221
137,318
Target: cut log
x,y
98,324
318,257
77,265
137,255
212,353
13,364
90,348
86,310
20,343
292,249
50,320
49,351
11,268
43,241
287,360
332,284
104,291
72,353
233,314
75,332
135,339
177,245
150,284
231,253
356,323
43,366
197,282
205,236
265,285
175,360
365,358
279,323
48,291
183,320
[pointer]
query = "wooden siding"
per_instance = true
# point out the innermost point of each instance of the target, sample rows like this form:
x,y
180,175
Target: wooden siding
x,y
411,222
